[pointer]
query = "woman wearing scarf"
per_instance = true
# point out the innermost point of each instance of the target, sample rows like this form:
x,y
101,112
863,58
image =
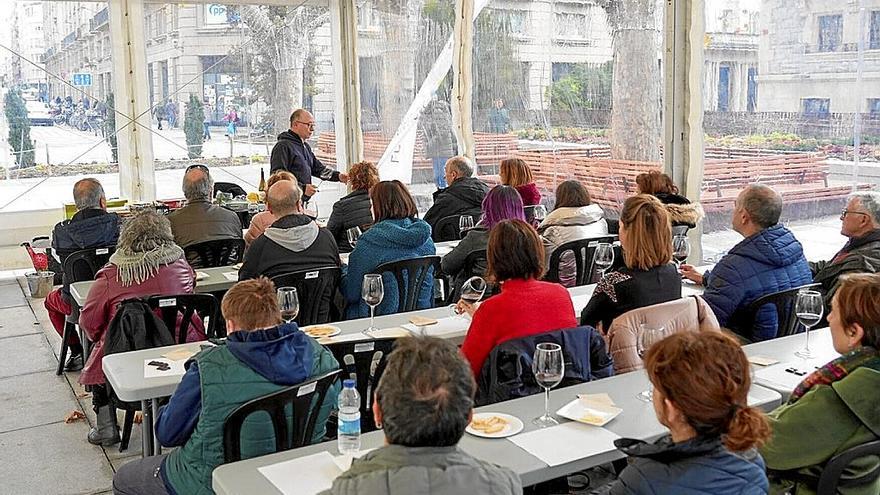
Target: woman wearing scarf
x,y
837,407
146,262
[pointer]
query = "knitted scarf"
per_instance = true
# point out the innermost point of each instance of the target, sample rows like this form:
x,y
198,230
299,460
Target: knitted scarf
x,y
836,370
135,268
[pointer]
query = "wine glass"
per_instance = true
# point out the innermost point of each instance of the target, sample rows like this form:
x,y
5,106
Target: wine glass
x,y
809,308
372,292
681,249
288,303
465,223
648,336
548,368
540,213
310,209
472,291
604,257
353,235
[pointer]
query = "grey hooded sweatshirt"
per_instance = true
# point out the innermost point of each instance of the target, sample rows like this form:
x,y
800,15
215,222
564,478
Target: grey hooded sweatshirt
x,y
291,244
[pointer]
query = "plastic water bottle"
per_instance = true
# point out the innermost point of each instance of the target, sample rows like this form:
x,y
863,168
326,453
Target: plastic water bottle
x,y
349,434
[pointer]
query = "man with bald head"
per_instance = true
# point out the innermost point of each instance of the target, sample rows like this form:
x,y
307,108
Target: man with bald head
x,y
201,220
293,153
91,227
293,243
768,260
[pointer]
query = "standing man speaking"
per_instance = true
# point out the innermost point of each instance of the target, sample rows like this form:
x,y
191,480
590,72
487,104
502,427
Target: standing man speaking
x,y
293,154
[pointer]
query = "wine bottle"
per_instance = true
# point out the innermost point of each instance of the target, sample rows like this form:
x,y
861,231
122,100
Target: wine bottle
x,y
262,187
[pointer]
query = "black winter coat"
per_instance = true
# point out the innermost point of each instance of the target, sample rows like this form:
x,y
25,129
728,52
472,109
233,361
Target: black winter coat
x,y
462,197
291,153
90,228
354,210
293,243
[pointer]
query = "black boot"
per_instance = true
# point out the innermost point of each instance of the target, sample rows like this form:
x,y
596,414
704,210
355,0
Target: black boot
x,y
106,433
75,361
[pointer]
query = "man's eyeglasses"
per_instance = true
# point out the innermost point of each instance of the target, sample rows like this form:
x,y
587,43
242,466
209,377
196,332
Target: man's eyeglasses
x,y
310,125
845,211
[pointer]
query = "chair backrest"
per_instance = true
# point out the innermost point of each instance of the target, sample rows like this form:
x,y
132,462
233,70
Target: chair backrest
x,y
507,372
410,274
84,264
220,252
830,478
680,315
178,310
783,301
447,229
584,251
364,362
293,429
315,289
228,187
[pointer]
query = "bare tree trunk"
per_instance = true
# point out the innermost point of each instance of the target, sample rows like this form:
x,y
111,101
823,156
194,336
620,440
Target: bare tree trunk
x,y
398,68
635,114
288,83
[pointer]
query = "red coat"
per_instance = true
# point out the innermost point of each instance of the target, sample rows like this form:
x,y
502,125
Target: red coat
x,y
524,308
529,194
100,306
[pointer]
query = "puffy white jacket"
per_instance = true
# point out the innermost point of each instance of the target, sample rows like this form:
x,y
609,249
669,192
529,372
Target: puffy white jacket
x,y
570,224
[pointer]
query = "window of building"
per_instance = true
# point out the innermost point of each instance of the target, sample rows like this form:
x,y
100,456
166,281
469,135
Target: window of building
x,y
571,25
830,32
874,107
519,21
874,35
816,107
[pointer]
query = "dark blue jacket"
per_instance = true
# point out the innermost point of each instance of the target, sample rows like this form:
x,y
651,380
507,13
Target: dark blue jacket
x,y
767,262
293,154
388,240
89,228
507,372
700,466
282,355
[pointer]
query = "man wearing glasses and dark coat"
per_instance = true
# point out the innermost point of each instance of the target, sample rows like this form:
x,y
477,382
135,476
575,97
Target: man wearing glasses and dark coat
x,y
293,153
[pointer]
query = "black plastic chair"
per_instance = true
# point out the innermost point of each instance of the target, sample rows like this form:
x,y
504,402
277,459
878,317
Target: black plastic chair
x,y
315,289
220,252
230,188
830,478
172,305
474,266
448,228
410,273
363,362
304,401
783,301
584,251
79,266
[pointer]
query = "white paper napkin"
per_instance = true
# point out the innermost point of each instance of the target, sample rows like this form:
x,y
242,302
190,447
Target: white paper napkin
x,y
304,475
566,442
444,326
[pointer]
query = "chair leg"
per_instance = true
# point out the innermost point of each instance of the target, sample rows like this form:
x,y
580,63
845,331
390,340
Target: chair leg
x,y
85,342
127,425
62,356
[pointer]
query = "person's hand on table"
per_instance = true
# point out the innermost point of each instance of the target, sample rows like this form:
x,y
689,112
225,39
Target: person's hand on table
x,y
463,306
310,190
691,273
343,177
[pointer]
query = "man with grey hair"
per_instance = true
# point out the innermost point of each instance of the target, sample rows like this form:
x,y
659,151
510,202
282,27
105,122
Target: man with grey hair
x,y
91,227
464,196
424,402
768,260
294,242
860,222
200,220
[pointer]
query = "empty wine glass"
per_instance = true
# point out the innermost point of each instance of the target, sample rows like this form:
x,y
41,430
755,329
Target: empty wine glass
x,y
372,292
472,291
681,249
353,235
648,336
288,303
310,209
809,308
548,368
465,223
604,257
540,212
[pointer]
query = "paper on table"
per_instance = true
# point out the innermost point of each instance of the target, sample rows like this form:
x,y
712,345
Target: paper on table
x,y
580,302
176,367
304,475
580,441
231,276
762,360
344,461
444,326
201,275
179,354
382,333
603,399
788,375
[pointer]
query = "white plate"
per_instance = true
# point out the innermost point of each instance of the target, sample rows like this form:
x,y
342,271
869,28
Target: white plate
x,y
514,425
307,331
591,414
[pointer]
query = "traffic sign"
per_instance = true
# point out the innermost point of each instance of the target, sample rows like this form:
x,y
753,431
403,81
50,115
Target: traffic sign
x,y
82,79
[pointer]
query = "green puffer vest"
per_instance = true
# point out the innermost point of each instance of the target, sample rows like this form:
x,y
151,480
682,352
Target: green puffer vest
x,y
227,383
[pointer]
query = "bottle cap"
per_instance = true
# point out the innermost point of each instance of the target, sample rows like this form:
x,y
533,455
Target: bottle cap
x,y
349,383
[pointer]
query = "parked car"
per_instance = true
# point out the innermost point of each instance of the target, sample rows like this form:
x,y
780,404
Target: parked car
x,y
38,113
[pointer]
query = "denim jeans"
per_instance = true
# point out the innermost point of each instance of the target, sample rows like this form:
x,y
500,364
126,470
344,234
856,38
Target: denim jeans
x,y
439,165
140,477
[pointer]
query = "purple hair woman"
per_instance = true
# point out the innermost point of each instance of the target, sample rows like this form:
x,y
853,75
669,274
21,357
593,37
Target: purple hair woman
x,y
501,203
